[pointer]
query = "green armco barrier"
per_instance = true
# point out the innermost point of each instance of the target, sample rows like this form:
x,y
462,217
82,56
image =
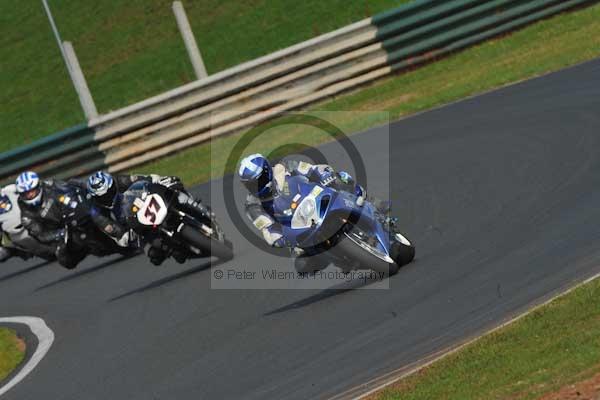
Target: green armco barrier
x,y
49,140
395,40
494,18
48,148
401,61
421,16
405,11
83,162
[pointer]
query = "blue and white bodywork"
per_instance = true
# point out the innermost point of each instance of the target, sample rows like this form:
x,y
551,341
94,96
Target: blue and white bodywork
x,y
330,222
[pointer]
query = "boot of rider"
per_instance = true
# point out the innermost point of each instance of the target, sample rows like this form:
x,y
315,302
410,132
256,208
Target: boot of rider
x,y
21,254
157,253
179,256
70,260
156,256
194,207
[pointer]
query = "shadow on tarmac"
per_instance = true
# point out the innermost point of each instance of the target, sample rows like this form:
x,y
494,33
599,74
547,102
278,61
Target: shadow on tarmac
x,y
160,282
83,273
25,271
323,295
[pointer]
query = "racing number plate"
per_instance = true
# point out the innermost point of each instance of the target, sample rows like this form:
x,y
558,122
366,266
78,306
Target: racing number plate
x,y
153,212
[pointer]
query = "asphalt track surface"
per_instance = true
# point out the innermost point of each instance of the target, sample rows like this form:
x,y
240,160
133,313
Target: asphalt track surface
x,y
500,193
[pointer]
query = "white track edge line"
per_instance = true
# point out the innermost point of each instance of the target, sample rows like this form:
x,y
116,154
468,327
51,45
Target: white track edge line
x,y
45,338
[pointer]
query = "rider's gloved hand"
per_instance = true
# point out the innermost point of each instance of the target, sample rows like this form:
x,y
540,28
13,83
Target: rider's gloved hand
x,y
345,178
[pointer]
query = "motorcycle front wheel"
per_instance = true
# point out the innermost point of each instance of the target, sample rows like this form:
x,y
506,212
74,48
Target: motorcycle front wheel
x,y
355,254
222,250
402,251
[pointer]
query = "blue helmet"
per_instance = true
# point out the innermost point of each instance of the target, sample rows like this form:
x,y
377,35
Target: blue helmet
x,y
256,174
101,186
5,204
29,188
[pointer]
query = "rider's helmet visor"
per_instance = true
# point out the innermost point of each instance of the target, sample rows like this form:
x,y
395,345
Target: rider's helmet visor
x,y
263,181
31,194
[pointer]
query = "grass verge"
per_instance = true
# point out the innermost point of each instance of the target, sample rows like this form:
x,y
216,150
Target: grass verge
x,y
549,45
132,49
554,346
12,351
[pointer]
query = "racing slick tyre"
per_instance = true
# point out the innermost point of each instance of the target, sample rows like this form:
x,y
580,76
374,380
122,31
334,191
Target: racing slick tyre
x,y
222,250
402,251
349,250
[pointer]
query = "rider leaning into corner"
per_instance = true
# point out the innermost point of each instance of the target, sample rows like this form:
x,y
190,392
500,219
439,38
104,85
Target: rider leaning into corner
x,y
264,183
42,214
106,190
16,240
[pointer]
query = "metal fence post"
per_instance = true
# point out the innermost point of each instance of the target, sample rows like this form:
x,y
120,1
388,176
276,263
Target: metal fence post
x,y
85,97
189,40
81,87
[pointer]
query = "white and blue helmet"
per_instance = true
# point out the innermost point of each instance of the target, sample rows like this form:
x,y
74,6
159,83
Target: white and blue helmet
x,y
29,188
101,186
256,174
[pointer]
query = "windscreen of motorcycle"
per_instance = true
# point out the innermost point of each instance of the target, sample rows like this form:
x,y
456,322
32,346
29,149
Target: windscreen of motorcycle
x,y
135,191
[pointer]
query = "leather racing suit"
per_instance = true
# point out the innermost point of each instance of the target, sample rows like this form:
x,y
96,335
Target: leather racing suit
x,y
45,222
260,210
108,219
16,240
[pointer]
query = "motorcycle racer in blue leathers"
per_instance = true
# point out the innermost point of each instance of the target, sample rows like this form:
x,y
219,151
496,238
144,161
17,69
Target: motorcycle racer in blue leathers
x,y
264,183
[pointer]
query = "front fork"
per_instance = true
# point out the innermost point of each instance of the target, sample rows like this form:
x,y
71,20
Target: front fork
x,y
185,219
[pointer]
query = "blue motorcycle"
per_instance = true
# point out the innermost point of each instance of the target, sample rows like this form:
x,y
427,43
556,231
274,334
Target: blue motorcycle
x,y
329,224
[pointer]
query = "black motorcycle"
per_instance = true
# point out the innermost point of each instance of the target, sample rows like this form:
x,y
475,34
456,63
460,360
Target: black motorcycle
x,y
154,212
